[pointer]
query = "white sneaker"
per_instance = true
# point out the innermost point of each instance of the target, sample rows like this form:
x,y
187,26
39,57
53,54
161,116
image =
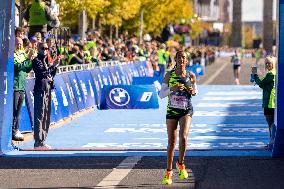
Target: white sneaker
x,y
43,146
18,136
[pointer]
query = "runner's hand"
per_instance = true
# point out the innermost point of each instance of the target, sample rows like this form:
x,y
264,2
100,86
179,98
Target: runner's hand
x,y
178,87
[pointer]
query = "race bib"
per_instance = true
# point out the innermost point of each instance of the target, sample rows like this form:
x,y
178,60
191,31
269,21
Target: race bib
x,y
179,102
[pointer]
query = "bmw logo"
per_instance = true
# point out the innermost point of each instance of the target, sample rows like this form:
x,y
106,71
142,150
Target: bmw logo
x,y
119,96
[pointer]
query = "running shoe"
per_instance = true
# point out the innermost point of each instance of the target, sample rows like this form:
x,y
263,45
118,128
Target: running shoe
x,y
18,136
168,178
182,173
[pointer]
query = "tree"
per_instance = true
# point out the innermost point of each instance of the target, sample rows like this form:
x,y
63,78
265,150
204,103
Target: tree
x,y
237,23
119,10
70,9
267,25
160,13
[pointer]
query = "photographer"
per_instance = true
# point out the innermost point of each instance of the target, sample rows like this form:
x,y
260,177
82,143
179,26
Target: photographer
x,y
44,74
268,86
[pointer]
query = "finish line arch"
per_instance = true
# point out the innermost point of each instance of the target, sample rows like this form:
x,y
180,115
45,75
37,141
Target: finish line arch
x,y
7,25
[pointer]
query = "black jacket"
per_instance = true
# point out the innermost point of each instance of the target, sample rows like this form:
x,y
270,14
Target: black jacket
x,y
44,74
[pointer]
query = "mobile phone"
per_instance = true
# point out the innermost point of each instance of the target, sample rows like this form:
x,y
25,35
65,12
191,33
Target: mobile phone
x,y
254,70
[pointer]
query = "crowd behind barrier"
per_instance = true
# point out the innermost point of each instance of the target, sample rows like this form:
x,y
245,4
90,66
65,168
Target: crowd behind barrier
x,y
78,87
81,89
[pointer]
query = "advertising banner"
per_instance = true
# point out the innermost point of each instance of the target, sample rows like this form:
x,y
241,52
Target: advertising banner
x,y
129,97
25,120
63,100
141,68
30,98
76,88
133,70
120,75
106,78
98,84
197,69
115,76
127,72
72,103
87,87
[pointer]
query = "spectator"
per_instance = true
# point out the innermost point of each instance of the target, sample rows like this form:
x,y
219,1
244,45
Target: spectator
x,y
19,32
44,74
22,66
38,15
268,86
73,57
162,59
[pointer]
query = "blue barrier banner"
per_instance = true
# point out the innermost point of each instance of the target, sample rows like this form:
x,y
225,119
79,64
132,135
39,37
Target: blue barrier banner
x,y
116,78
25,120
141,68
72,100
124,75
144,80
129,97
87,87
197,69
105,76
56,114
60,99
98,84
118,72
200,70
127,72
30,98
77,92
7,41
133,70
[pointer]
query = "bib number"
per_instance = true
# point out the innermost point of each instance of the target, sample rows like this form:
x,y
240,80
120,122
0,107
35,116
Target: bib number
x,y
179,102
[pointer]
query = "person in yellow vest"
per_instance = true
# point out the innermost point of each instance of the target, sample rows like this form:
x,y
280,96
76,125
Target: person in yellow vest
x,y
38,15
73,57
162,59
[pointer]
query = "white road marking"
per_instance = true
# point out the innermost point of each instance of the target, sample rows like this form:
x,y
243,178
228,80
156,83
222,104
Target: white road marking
x,y
252,125
118,173
233,93
194,143
163,125
232,98
228,105
225,113
215,74
192,130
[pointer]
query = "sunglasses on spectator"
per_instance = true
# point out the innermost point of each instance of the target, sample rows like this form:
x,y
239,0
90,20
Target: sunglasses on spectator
x,y
44,48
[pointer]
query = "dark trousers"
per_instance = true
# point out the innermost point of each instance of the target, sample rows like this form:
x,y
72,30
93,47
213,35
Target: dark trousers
x,y
19,97
162,68
42,111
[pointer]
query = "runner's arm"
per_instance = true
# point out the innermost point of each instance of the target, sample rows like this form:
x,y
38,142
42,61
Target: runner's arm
x,y
165,90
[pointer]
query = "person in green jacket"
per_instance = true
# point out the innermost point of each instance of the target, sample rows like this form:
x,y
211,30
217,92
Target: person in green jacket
x,y
268,86
22,66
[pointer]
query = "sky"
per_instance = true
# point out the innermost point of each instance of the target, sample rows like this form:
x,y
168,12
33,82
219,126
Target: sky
x,y
252,10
